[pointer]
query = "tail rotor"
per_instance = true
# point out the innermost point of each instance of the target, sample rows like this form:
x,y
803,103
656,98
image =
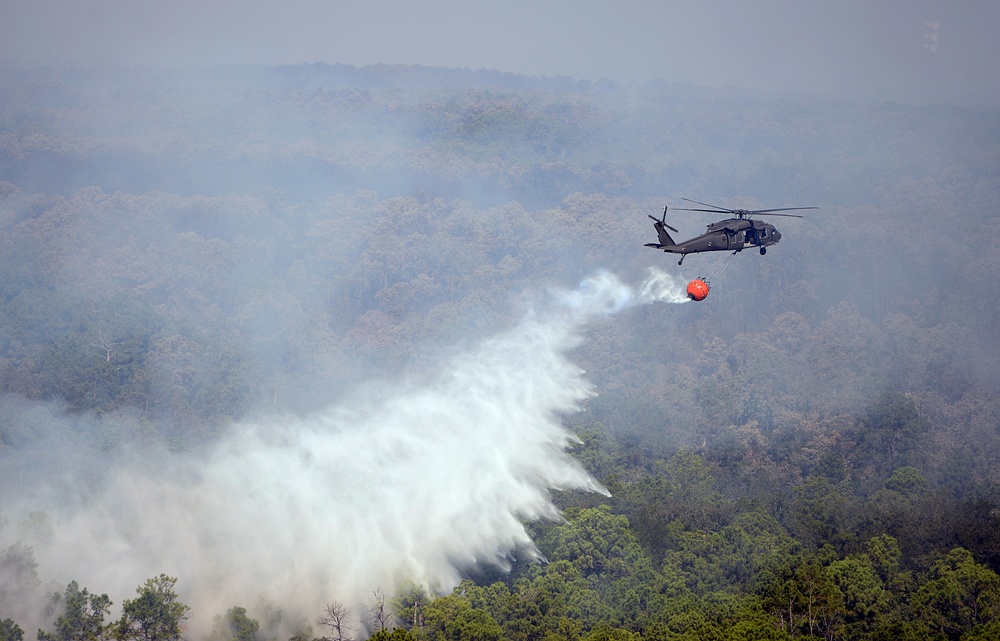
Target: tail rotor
x,y
661,226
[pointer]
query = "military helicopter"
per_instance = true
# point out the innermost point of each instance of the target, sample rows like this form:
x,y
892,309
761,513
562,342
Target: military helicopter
x,y
731,234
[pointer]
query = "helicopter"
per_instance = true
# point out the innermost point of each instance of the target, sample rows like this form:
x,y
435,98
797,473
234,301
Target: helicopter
x,y
732,234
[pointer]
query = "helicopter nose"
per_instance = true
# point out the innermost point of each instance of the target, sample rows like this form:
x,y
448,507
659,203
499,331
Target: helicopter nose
x,y
777,235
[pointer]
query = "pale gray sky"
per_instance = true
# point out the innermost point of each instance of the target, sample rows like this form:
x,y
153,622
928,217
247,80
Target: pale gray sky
x,y
859,48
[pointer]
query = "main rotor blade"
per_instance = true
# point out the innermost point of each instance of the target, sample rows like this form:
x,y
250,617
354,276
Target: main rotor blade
x,y
717,208
767,211
754,212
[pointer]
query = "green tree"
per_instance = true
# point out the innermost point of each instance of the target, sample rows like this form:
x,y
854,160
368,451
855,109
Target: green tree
x,y
987,632
452,618
10,631
680,493
731,558
802,595
884,553
496,599
892,430
155,615
906,480
959,595
235,625
605,632
398,634
862,598
82,618
595,541
759,628
894,513
822,512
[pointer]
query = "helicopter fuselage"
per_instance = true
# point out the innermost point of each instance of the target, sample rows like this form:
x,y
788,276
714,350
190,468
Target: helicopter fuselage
x,y
733,234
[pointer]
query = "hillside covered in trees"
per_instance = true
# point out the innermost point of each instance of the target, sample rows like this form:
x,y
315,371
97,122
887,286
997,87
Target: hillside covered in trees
x,y
811,452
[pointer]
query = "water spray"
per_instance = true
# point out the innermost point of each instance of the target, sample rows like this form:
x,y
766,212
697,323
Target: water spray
x,y
412,482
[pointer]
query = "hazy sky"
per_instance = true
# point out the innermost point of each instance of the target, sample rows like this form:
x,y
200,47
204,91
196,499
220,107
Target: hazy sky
x,y
861,48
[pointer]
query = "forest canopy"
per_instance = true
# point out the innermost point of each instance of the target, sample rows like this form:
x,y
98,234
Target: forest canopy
x,y
810,452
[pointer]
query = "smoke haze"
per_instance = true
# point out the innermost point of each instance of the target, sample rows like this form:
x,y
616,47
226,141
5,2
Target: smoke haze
x,y
855,48
410,481
202,264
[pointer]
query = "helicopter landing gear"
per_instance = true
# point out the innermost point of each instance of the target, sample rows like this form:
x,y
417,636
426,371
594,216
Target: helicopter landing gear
x,y
763,250
681,261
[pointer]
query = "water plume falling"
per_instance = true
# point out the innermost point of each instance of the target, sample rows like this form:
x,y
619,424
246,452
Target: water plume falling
x,y
405,482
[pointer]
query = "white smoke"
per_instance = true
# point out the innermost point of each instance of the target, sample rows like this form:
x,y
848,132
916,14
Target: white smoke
x,y
409,482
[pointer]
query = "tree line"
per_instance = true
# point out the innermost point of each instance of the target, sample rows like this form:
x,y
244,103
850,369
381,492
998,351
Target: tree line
x,y
747,580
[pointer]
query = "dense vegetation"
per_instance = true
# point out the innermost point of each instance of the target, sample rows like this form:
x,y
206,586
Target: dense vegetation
x,y
811,452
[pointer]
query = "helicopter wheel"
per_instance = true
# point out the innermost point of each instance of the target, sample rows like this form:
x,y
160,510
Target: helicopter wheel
x,y
763,250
